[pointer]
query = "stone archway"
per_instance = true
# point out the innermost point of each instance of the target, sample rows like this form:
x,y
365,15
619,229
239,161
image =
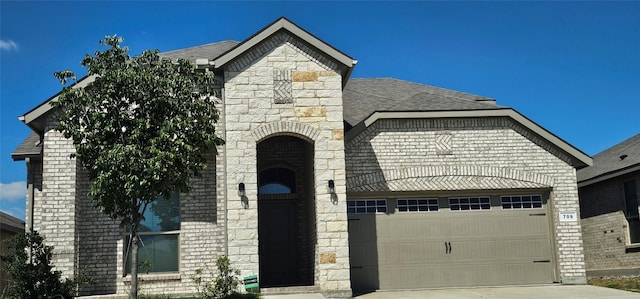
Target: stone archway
x,y
286,211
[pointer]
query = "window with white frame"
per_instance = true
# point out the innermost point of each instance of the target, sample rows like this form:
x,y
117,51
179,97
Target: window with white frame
x,y
158,246
366,206
521,202
418,205
469,203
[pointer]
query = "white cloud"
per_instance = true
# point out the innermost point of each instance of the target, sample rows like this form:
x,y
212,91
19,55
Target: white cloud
x,y
13,191
8,45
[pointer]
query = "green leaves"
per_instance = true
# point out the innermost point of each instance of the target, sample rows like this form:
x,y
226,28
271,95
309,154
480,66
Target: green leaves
x,y
141,128
28,261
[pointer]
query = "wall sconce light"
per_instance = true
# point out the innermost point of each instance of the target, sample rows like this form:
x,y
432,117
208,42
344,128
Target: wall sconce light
x,y
332,192
332,187
241,190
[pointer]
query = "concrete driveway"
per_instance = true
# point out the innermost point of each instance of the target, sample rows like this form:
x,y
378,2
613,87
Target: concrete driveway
x,y
532,292
526,292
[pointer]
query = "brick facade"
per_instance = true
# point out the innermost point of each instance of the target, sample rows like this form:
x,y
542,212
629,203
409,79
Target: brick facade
x,y
608,249
483,154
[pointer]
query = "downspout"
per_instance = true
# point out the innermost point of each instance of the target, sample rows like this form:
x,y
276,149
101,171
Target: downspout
x,y
224,160
30,192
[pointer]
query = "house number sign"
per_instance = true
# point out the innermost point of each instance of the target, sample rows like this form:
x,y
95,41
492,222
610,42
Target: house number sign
x,y
568,216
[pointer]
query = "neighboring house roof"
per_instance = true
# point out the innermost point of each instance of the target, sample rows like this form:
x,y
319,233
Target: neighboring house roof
x,y
29,148
617,160
10,223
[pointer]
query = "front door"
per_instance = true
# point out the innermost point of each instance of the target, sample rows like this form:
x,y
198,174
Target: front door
x,y
277,233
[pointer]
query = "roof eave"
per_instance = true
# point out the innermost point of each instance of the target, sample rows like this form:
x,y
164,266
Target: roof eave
x,y
609,175
32,117
579,158
292,28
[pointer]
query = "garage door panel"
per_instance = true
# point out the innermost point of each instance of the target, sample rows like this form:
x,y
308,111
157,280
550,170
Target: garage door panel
x,y
452,248
408,277
410,252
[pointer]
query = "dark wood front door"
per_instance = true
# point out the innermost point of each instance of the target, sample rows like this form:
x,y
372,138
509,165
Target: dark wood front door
x,y
278,234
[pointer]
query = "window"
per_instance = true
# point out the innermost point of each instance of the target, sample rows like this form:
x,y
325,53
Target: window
x,y
469,203
366,206
277,180
417,205
630,200
159,232
631,211
521,202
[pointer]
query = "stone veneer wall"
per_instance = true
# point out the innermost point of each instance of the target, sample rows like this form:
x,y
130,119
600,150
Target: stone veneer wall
x,y
490,153
308,106
605,229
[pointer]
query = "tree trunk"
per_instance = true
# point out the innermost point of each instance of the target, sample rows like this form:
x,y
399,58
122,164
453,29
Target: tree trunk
x,y
134,264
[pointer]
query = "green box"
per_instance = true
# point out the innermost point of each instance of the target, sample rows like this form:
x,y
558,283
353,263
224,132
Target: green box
x,y
251,282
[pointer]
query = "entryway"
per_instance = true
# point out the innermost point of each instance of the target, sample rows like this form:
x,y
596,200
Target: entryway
x,y
286,212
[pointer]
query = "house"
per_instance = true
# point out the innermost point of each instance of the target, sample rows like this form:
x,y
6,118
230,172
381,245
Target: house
x,y
332,184
9,227
608,193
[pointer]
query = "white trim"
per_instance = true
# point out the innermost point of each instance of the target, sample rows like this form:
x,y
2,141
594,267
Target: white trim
x,y
283,23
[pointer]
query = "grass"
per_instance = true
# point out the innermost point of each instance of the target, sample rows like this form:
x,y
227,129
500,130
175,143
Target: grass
x,y
631,284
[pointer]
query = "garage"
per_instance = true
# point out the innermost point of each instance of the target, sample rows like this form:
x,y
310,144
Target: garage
x,y
454,241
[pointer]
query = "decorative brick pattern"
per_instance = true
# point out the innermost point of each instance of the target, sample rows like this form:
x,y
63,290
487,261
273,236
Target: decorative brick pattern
x,y
443,144
282,86
301,130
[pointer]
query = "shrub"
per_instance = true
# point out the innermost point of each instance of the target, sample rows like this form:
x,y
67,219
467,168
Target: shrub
x,y
28,261
224,285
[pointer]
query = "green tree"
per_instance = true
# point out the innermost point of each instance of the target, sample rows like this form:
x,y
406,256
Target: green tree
x,y
28,261
141,129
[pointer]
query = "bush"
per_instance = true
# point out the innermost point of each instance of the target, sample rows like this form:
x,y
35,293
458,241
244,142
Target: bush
x,y
224,285
28,261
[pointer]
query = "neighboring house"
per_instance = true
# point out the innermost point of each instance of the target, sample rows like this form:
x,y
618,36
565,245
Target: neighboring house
x,y
9,227
609,191
332,184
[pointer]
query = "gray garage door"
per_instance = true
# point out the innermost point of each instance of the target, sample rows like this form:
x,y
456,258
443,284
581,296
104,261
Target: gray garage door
x,y
449,242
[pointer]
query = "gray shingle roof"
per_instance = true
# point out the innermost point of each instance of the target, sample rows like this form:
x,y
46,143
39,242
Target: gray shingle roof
x,y
613,159
30,147
362,97
208,51
10,223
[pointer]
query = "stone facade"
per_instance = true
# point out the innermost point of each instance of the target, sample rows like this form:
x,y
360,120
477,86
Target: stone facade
x,y
481,154
313,114
607,244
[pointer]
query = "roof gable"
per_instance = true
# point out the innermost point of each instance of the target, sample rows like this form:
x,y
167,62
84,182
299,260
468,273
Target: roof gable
x,y
293,29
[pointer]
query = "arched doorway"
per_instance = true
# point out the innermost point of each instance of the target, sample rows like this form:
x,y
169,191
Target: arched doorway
x,y
286,212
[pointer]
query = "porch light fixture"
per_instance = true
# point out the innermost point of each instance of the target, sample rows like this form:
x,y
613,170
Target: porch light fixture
x,y
332,187
241,190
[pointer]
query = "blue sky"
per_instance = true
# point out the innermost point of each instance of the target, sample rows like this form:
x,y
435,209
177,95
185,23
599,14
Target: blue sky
x,y
572,67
